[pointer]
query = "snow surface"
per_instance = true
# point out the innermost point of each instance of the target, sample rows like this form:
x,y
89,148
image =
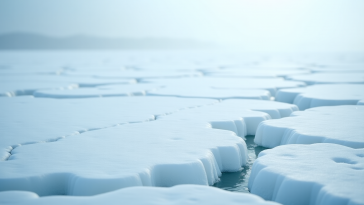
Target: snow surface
x,y
322,95
178,148
43,120
100,91
13,85
259,73
317,174
132,74
180,86
327,78
177,195
335,124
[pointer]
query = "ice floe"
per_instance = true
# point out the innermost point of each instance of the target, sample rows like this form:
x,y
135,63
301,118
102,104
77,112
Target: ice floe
x,y
28,84
326,78
130,74
175,149
317,174
190,84
322,95
27,120
259,73
334,124
100,91
177,195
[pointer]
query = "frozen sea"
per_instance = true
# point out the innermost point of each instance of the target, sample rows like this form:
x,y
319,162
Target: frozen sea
x,y
178,127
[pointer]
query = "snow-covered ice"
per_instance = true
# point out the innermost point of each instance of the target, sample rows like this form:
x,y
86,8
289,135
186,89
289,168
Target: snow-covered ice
x,y
13,85
270,84
259,73
175,149
177,195
28,120
99,91
327,78
334,124
317,174
131,74
322,95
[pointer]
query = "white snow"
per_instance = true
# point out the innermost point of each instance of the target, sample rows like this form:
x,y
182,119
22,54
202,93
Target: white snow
x,y
335,124
131,74
27,84
190,84
322,95
327,78
180,148
28,120
100,91
259,73
177,195
317,174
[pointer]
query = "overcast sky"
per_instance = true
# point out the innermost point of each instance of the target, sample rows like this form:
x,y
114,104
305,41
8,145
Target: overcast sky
x,y
254,25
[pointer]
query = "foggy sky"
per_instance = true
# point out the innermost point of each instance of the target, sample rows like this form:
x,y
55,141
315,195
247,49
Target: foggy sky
x,y
253,25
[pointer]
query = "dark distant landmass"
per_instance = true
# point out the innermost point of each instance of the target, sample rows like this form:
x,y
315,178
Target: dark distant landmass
x,y
14,41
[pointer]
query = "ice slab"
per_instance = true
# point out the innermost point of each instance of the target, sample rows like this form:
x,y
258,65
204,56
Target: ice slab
x,y
335,124
270,84
131,74
259,73
177,195
28,84
328,78
100,91
322,95
322,174
27,120
174,149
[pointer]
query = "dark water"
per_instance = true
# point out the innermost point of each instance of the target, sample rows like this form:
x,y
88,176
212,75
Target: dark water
x,y
238,181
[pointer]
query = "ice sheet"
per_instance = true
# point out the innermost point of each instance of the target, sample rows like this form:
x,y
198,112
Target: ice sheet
x,y
177,195
325,78
324,174
335,124
322,95
176,148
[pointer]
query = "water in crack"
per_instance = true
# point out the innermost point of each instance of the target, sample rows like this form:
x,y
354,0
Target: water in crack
x,y
238,181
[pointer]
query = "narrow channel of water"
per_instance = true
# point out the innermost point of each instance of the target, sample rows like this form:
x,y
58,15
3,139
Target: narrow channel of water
x,y
238,181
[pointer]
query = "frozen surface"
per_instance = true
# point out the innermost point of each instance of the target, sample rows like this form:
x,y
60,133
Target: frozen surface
x,y
100,91
179,87
322,174
151,89
327,78
176,148
259,73
335,124
131,74
177,195
322,95
13,85
28,120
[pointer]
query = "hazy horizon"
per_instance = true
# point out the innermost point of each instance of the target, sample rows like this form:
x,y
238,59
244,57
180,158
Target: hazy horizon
x,y
251,25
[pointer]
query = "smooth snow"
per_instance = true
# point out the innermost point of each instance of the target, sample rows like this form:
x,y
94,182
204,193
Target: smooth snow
x,y
328,78
175,149
177,195
27,120
180,86
27,84
322,95
100,91
334,124
317,174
